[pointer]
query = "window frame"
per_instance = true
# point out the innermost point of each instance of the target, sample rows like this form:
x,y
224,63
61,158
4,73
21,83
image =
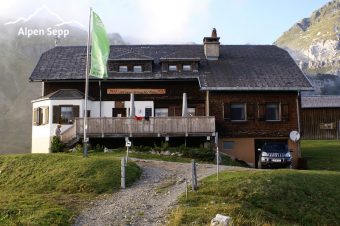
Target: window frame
x,y
40,116
70,121
56,114
278,111
244,112
172,66
146,110
232,145
137,66
186,65
123,66
156,109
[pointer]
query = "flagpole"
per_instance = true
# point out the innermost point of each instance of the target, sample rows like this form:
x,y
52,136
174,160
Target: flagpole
x,y
85,141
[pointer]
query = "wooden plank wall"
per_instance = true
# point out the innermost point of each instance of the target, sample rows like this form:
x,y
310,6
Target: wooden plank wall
x,y
311,118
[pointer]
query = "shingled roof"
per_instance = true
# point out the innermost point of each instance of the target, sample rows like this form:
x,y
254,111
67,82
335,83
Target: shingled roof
x,y
240,67
64,94
320,101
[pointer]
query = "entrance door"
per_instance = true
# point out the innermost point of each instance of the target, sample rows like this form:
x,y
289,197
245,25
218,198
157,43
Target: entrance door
x,y
118,112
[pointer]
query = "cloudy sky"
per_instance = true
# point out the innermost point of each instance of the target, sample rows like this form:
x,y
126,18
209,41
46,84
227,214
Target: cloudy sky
x,y
178,21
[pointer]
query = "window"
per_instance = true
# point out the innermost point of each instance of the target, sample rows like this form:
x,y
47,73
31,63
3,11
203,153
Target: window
x,y
65,114
161,112
172,67
40,116
186,67
137,69
191,111
228,145
123,69
148,112
272,112
238,112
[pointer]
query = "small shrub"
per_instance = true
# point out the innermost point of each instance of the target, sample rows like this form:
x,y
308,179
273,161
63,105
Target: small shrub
x,y
56,145
99,148
204,154
164,147
141,148
182,149
78,148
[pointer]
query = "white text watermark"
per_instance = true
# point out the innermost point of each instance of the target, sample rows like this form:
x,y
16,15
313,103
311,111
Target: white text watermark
x,y
29,32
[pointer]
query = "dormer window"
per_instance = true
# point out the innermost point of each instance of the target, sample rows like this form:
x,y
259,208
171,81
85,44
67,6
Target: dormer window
x,y
123,69
186,67
137,69
172,67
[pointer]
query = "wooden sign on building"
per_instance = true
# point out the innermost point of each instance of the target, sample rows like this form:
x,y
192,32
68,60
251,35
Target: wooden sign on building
x,y
136,91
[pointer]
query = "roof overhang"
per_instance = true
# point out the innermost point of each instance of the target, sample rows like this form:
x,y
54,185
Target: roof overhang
x,y
257,88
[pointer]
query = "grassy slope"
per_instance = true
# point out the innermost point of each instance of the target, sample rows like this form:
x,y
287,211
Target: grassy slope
x,y
51,189
225,160
277,197
280,197
322,154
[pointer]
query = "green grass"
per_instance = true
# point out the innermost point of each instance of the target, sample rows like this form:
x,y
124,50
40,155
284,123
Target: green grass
x,y
52,189
321,154
140,155
278,197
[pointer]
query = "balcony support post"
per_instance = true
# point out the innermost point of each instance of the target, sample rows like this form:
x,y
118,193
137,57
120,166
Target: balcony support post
x,y
207,110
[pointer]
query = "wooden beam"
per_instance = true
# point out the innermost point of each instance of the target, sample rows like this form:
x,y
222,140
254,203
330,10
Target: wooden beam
x,y
207,109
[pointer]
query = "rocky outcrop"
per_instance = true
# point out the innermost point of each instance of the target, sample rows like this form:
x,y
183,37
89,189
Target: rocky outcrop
x,y
315,42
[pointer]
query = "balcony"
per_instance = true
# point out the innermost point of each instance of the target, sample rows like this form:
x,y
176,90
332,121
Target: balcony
x,y
153,127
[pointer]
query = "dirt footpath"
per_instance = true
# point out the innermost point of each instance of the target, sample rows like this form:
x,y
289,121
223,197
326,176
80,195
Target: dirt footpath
x,y
150,199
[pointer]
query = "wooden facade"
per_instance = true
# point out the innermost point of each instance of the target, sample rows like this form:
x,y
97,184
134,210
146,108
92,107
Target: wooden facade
x,y
320,123
255,125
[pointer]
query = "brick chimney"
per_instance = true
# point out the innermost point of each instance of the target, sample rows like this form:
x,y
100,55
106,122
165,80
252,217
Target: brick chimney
x,y
212,46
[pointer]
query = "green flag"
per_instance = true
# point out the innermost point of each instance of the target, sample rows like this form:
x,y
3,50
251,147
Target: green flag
x,y
100,48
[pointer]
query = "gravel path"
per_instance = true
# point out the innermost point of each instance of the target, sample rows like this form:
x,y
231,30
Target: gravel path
x,y
150,199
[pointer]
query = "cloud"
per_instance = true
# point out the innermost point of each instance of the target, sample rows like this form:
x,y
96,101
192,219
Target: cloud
x,y
171,21
149,21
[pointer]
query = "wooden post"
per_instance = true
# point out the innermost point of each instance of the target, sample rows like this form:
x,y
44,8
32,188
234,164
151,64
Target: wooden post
x,y
207,113
217,155
194,175
186,190
127,153
123,165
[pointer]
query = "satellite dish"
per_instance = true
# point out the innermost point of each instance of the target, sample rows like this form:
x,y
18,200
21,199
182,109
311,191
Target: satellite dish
x,y
294,136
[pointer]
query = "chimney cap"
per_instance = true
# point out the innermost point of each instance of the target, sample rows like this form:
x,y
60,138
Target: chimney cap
x,y
214,33
213,38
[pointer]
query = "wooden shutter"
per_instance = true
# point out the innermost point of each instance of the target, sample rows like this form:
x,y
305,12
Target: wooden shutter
x,y
284,112
178,110
46,115
171,111
36,116
262,112
250,111
75,111
227,114
56,114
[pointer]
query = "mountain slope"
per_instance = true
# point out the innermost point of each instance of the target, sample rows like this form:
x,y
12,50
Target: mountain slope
x,y
20,54
315,42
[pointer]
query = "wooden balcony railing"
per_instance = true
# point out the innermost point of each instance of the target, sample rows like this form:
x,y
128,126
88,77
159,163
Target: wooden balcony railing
x,y
158,126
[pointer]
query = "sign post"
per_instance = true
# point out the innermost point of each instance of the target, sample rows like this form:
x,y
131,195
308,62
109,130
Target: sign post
x,y
127,144
217,155
122,180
